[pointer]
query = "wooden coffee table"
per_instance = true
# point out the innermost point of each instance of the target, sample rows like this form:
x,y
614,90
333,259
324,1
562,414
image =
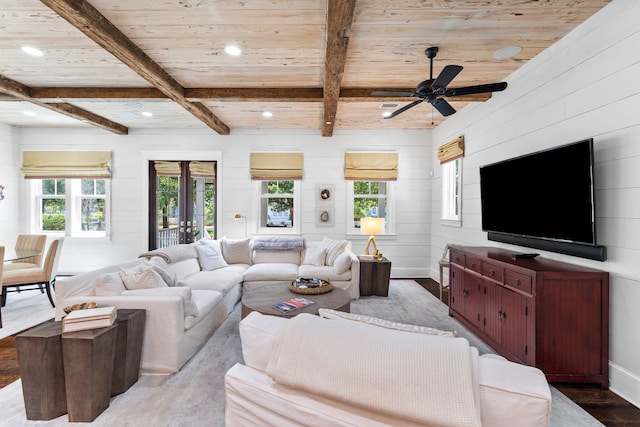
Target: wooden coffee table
x,y
262,298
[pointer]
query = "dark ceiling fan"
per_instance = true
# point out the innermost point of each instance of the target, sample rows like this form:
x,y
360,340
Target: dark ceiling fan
x,y
433,91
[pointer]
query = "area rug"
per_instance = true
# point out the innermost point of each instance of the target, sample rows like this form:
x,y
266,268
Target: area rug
x,y
195,395
24,310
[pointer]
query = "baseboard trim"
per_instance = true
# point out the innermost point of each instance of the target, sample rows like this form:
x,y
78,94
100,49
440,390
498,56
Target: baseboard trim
x,y
624,383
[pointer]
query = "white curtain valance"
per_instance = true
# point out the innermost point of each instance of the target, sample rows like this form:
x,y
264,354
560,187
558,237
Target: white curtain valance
x,y
451,150
66,164
275,166
371,166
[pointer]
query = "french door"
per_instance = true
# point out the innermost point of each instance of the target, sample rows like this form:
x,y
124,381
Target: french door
x,y
182,202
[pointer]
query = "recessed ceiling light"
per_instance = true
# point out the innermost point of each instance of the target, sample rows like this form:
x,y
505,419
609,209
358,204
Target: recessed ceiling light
x,y
232,50
507,52
32,51
147,114
267,114
29,113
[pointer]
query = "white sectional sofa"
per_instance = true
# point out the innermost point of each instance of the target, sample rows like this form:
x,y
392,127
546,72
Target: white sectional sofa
x,y
350,370
199,285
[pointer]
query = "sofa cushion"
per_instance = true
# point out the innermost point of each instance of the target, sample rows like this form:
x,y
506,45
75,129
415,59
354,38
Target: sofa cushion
x,y
210,258
333,248
326,272
315,256
236,251
221,280
145,279
271,272
109,284
206,301
190,308
181,269
258,332
342,264
265,256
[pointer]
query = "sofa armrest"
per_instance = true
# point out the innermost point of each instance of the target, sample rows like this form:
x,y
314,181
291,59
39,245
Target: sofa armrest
x,y
163,331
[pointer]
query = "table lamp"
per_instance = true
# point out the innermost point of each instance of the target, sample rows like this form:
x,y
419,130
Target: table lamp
x,y
372,227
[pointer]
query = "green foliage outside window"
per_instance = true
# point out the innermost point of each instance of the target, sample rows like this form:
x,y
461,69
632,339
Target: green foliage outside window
x,y
376,202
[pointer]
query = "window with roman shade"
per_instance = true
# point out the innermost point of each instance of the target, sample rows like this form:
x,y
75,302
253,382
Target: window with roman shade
x,y
276,166
66,164
167,168
368,166
452,150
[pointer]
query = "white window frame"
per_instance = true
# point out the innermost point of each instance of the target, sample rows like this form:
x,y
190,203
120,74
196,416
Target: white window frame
x,y
452,193
295,229
389,224
73,218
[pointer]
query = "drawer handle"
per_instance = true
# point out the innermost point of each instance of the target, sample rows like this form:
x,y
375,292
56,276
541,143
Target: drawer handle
x,y
473,264
517,282
492,273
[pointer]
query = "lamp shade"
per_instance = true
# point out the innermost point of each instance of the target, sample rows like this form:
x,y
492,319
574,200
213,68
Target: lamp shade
x,y
371,226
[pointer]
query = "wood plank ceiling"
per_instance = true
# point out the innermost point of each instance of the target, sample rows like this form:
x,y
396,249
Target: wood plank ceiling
x,y
311,63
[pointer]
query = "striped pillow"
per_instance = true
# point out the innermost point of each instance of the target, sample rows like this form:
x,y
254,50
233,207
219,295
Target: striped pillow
x,y
333,248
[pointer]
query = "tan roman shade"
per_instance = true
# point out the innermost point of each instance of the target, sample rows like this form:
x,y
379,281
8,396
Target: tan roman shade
x,y
371,166
66,164
451,150
202,169
274,166
167,168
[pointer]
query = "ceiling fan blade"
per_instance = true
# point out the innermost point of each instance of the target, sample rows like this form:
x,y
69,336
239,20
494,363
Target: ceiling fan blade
x,y
443,107
469,90
390,93
447,74
403,109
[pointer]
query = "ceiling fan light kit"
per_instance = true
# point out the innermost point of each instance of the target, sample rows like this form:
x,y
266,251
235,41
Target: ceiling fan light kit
x,y
434,91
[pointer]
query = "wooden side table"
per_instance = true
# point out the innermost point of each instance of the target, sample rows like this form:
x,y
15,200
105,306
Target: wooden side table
x,y
374,277
128,352
41,370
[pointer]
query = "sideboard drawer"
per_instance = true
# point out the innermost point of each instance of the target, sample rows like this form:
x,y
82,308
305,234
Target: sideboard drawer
x,y
456,258
474,264
493,272
518,281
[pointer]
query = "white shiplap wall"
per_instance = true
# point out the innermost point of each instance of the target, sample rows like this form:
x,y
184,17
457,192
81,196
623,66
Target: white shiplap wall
x,y
324,163
9,177
585,85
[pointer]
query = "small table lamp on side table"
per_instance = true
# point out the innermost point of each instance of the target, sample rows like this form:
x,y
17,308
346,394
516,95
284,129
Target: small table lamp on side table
x,y
373,227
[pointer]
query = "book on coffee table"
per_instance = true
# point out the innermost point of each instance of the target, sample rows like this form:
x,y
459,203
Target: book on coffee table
x,y
292,304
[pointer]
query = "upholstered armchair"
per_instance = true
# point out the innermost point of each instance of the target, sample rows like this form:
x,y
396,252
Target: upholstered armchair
x,y
35,242
37,276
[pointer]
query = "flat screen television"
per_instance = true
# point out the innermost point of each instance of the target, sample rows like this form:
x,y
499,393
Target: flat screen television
x,y
543,200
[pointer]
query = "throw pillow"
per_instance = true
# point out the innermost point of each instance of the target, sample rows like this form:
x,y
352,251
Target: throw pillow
x,y
209,258
236,251
333,248
109,284
145,279
170,279
342,264
334,314
315,256
190,307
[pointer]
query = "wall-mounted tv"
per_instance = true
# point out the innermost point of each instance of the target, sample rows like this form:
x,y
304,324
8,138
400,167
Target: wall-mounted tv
x,y
543,200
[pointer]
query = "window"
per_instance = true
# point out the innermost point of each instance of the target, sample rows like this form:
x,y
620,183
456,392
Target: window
x,y
451,189
73,207
279,200
369,198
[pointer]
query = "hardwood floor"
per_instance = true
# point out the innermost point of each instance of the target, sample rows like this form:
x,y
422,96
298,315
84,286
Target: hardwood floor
x,y
604,405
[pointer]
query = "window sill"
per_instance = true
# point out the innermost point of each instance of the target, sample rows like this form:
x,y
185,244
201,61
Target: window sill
x,y
451,222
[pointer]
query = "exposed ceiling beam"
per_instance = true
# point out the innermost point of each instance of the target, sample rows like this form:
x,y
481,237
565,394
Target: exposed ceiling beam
x,y
315,94
22,92
339,19
94,25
